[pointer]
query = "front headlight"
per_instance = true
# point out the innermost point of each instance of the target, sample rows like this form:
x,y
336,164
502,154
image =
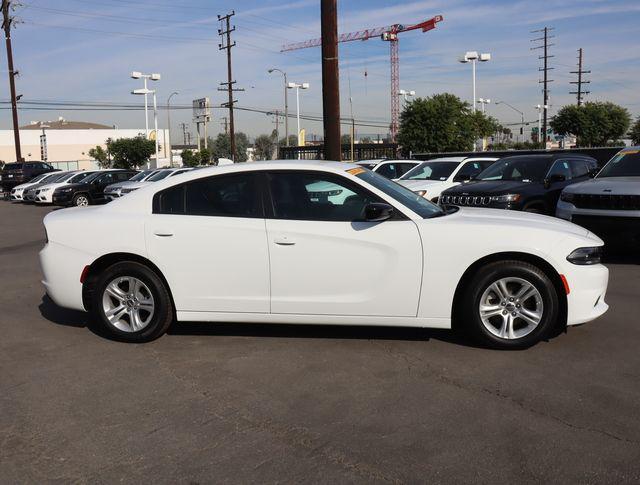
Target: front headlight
x,y
566,197
586,256
506,198
421,193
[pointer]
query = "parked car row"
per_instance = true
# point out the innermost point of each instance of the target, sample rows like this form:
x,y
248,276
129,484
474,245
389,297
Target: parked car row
x,y
83,188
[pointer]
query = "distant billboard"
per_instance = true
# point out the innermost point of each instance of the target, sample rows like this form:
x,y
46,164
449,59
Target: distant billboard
x,y
201,110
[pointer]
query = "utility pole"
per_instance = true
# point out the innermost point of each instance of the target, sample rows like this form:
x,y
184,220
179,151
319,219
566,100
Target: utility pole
x,y
184,132
276,122
225,34
330,80
545,81
6,25
580,93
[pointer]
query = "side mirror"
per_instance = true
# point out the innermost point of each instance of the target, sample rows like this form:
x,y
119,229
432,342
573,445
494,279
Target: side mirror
x,y
378,212
557,177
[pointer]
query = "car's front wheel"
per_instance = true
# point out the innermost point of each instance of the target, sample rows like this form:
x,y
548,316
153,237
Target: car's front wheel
x,y
81,200
132,303
510,305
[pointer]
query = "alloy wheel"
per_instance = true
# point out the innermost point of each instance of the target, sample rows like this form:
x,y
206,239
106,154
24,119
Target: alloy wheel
x,y
511,308
82,201
128,304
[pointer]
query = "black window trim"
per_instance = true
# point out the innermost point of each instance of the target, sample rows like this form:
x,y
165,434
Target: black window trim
x,y
155,204
268,197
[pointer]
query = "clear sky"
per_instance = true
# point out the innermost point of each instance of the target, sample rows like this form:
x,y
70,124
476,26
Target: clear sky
x,y
78,50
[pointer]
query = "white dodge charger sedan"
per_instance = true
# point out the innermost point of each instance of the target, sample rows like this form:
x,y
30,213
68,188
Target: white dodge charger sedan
x,y
318,242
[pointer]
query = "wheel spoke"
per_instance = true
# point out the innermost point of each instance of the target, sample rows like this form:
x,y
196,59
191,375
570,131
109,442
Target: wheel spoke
x,y
489,311
114,290
530,316
115,314
498,291
502,284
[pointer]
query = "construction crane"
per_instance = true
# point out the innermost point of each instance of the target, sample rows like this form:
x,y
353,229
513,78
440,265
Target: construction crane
x,y
388,34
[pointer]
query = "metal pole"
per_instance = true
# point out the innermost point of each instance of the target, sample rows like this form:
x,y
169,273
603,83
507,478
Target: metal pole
x,y
169,130
298,116
146,109
473,70
155,126
12,83
286,111
330,80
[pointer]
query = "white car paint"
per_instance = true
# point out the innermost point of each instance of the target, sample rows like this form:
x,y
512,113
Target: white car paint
x,y
397,272
18,191
431,189
44,195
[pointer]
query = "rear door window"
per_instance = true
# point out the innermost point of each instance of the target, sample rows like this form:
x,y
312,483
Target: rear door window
x,y
561,167
388,170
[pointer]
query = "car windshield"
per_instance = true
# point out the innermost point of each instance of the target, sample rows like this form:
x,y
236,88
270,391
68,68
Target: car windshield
x,y
56,177
140,176
67,177
519,169
431,171
624,164
39,177
406,197
80,177
159,176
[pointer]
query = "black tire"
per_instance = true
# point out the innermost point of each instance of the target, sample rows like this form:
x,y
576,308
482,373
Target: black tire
x,y
78,200
490,274
163,314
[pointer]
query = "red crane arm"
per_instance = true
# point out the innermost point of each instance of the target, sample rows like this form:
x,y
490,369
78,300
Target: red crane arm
x,y
367,34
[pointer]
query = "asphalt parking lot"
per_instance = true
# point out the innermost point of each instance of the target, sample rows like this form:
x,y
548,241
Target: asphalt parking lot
x,y
247,403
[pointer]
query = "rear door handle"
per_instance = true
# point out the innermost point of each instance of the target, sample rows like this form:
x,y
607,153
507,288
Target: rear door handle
x,y
284,241
163,233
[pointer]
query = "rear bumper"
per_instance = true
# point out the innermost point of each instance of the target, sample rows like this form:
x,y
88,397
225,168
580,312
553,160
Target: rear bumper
x,y
61,267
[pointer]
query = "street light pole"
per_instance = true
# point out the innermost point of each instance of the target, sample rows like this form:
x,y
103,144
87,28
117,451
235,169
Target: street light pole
x,y
169,130
286,104
145,77
473,57
155,125
298,87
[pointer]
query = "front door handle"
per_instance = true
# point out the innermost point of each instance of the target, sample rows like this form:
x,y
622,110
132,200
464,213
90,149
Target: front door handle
x,y
284,241
163,233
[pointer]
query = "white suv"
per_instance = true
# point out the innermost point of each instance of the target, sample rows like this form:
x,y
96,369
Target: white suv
x,y
609,204
431,178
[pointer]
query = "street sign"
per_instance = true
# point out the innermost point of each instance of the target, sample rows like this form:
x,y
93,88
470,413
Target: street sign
x,y
201,110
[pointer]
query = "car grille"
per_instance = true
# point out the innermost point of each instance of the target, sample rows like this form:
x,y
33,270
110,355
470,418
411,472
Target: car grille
x,y
470,200
607,201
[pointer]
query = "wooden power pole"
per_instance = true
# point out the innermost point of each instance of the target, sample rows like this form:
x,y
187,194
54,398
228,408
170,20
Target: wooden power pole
x,y
330,80
580,92
6,25
226,44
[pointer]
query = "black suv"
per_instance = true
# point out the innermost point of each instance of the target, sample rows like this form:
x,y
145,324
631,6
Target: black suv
x,y
17,173
530,183
90,190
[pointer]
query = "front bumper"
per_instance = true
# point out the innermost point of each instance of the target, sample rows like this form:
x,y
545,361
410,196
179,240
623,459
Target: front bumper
x,y
588,287
617,228
62,198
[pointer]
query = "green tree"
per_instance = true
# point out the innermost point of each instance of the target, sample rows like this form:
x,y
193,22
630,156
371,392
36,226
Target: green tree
x,y
442,123
205,156
634,133
190,159
293,141
130,152
101,156
263,147
593,123
221,146
345,139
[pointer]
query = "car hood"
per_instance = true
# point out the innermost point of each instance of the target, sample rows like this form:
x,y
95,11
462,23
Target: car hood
x,y
607,185
494,187
422,184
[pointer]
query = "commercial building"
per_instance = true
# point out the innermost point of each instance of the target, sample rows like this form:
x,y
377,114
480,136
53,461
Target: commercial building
x,y
67,143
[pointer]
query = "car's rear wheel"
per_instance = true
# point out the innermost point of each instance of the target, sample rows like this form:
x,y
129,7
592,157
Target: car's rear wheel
x,y
510,305
81,200
132,302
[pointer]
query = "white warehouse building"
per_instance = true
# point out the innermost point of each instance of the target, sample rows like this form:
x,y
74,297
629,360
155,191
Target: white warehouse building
x,y
68,142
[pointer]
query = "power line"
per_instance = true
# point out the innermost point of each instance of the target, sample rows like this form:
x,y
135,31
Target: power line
x,y
580,93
